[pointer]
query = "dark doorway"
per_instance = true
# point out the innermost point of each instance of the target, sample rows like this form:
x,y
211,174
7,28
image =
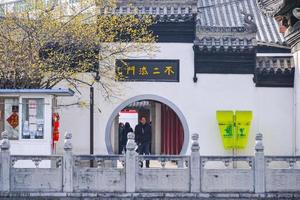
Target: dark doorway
x,y
167,129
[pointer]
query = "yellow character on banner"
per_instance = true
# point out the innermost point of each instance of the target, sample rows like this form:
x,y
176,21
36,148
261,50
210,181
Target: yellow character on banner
x,y
143,71
119,71
156,71
120,75
131,70
169,70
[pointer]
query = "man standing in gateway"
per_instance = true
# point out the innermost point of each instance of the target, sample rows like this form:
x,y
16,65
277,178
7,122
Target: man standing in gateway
x,y
143,138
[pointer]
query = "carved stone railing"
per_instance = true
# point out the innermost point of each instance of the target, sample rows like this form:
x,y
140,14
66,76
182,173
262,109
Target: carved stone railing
x,y
99,161
167,174
164,161
258,175
106,174
42,173
231,174
39,161
282,173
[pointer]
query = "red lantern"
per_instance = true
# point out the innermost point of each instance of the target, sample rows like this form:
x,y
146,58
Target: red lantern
x,y
55,124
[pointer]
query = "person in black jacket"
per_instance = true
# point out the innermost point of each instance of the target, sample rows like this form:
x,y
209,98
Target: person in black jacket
x,y
143,138
121,136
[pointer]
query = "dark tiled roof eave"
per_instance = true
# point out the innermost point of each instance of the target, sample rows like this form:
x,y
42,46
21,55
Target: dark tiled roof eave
x,y
174,18
159,3
160,14
213,42
276,45
275,64
274,72
151,10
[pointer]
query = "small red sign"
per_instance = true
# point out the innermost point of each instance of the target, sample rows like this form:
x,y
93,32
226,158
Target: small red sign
x,y
13,120
128,111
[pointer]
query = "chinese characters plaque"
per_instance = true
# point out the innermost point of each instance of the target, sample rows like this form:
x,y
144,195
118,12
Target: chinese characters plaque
x,y
147,70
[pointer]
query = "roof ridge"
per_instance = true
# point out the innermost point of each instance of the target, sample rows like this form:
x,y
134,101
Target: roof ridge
x,y
156,2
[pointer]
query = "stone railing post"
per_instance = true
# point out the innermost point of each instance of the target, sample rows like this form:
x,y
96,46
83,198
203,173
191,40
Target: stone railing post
x,y
130,163
5,164
259,177
195,164
68,164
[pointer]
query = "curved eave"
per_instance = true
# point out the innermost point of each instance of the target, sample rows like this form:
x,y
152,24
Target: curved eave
x,y
276,45
277,7
270,7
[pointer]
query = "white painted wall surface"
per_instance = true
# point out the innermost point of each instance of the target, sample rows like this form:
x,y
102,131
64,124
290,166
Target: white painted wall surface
x,y
273,108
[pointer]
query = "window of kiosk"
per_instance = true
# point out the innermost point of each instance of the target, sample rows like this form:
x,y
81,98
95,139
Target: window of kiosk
x,y
33,118
9,117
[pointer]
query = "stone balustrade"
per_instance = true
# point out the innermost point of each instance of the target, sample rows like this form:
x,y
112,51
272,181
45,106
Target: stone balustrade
x,y
191,174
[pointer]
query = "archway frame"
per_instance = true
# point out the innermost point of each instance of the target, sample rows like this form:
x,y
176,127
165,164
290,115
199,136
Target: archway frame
x,y
153,98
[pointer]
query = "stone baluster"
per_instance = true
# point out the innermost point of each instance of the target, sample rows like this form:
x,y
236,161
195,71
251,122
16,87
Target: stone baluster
x,y
278,65
286,66
68,164
259,178
130,163
180,163
5,163
195,164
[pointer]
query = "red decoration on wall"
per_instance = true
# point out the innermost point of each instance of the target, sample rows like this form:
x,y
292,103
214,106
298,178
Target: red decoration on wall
x,y
13,120
171,131
55,124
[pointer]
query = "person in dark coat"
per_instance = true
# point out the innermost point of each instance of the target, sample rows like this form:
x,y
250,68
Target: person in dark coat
x,y
143,138
121,136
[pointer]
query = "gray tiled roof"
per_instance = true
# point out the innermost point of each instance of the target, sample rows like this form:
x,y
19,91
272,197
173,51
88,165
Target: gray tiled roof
x,y
211,13
228,13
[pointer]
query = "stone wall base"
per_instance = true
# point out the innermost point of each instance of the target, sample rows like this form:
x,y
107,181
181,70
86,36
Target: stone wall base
x,y
136,196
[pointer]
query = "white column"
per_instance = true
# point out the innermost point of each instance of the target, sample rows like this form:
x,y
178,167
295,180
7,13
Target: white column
x,y
297,103
195,164
5,164
259,165
115,135
68,164
130,163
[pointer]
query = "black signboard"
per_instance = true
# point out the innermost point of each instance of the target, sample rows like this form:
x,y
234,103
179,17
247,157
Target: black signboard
x,y
147,70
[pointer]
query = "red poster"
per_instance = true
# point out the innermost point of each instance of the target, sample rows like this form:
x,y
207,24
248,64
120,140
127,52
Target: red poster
x,y
13,120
